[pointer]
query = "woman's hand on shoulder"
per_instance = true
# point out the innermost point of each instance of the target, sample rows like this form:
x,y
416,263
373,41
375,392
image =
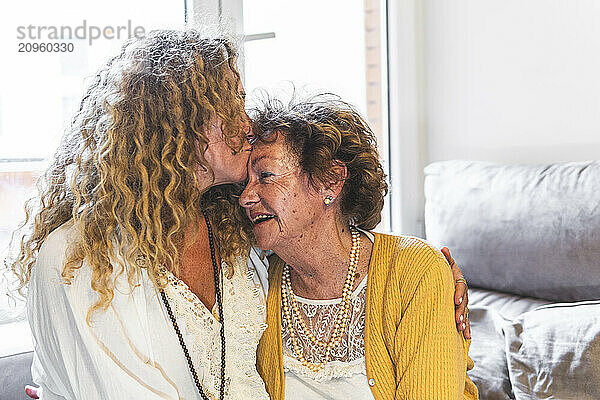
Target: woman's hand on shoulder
x,y
461,296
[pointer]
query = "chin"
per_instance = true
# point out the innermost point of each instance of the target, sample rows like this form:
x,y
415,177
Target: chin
x,y
262,241
240,177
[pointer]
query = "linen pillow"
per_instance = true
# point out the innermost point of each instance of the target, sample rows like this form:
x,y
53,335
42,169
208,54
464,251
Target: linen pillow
x,y
553,352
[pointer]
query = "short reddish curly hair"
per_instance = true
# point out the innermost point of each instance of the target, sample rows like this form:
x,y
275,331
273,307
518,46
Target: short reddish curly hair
x,y
321,131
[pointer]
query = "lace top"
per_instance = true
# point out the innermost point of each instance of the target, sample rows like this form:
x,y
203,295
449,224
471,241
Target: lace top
x,y
244,315
348,358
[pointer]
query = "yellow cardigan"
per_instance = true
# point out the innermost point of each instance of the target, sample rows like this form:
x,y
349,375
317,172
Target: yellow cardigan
x,y
412,348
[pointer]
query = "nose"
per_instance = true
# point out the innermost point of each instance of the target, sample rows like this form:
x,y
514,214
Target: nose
x,y
248,197
250,138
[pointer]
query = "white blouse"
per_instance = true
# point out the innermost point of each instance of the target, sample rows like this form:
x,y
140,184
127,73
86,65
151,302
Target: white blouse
x,y
131,350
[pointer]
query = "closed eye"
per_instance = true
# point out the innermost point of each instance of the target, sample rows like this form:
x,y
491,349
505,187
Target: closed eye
x,y
264,175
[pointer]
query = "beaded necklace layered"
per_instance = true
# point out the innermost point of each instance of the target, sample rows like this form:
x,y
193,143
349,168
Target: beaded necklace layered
x,y
220,309
292,313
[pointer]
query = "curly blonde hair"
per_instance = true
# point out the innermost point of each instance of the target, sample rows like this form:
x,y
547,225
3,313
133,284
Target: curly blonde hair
x,y
125,172
323,130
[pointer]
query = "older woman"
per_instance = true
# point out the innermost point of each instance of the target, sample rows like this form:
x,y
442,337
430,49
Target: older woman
x,y
352,314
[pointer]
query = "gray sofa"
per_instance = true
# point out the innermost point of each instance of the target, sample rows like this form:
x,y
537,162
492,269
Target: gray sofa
x,y
15,373
528,241
15,348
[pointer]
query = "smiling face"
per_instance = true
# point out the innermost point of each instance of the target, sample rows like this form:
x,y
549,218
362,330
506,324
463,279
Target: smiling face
x,y
278,198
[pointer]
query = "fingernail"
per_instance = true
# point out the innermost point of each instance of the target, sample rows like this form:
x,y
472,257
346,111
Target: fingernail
x,y
461,318
460,301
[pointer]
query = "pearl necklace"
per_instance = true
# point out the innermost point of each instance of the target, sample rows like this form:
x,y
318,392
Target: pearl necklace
x,y
288,297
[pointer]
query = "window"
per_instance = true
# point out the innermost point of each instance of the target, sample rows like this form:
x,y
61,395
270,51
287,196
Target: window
x,y
41,89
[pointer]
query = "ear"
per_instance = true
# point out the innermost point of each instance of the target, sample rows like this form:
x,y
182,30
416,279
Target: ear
x,y
334,187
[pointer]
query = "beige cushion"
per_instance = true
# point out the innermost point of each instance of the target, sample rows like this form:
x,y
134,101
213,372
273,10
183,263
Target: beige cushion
x,y
553,352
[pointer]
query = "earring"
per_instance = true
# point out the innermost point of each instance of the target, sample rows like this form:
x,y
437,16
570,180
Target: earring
x,y
328,200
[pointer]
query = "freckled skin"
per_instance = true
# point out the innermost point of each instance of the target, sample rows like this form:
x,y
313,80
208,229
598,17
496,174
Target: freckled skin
x,y
304,229
285,193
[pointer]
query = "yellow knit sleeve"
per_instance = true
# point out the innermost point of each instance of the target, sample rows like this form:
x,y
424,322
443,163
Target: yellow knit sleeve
x,y
429,351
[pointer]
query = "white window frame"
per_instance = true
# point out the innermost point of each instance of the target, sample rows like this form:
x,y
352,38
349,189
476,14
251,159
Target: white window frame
x,y
407,139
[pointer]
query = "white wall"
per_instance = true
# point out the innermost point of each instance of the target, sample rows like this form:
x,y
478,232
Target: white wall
x,y
512,81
